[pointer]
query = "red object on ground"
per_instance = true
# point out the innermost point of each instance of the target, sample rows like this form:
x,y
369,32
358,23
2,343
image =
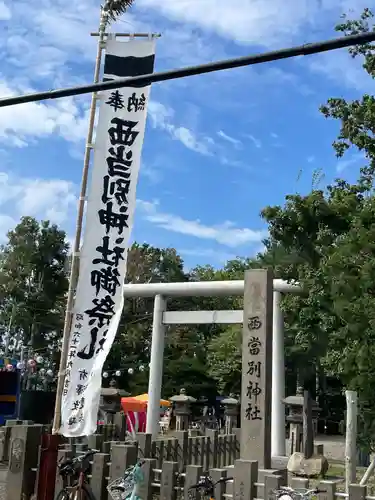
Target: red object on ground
x,y
136,421
47,466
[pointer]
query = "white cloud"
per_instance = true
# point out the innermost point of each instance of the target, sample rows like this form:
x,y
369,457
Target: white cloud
x,y
162,118
254,140
311,159
273,74
50,197
5,13
48,37
254,22
22,55
151,172
24,123
276,143
349,161
237,143
188,139
53,199
342,69
58,24
212,254
6,224
225,233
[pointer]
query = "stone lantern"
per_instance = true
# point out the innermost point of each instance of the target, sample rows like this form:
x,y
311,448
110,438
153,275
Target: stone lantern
x,y
182,409
295,419
231,408
110,400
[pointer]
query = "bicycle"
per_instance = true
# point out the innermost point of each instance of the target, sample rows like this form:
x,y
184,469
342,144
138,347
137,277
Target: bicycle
x,y
76,468
206,487
287,493
126,487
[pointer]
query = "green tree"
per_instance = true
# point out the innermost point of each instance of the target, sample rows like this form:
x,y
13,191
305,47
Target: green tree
x,y
326,241
305,229
225,359
33,280
357,117
189,373
349,268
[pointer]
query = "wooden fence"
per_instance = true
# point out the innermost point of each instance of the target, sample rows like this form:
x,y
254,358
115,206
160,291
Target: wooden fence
x,y
211,450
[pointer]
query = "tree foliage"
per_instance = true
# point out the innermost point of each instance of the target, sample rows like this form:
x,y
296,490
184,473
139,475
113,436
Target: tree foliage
x,y
225,360
329,236
33,280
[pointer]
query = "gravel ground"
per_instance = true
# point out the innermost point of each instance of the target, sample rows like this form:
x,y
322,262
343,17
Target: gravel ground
x,y
2,484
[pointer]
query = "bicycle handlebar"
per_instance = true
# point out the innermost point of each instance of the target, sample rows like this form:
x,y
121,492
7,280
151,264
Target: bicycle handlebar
x,y
207,483
224,480
80,458
89,453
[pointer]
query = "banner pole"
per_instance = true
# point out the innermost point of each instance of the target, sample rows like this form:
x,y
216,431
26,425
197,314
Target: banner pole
x,y
77,240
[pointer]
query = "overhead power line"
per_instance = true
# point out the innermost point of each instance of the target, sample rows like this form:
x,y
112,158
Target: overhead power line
x,y
144,80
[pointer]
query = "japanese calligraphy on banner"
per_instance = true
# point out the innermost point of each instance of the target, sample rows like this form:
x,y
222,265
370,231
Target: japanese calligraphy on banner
x,y
109,220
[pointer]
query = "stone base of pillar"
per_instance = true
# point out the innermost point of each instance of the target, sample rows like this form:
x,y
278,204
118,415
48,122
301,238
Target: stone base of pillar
x,y
279,463
314,466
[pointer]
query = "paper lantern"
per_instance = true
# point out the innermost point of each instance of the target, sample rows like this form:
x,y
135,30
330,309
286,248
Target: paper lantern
x,y
118,373
105,374
130,371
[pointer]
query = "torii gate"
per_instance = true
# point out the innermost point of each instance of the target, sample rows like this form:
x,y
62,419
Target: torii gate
x,y
163,317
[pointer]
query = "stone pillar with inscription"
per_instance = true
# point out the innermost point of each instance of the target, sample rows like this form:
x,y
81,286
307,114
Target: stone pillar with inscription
x,y
256,384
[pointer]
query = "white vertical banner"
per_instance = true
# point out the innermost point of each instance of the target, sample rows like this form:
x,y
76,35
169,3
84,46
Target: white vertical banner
x,y
109,220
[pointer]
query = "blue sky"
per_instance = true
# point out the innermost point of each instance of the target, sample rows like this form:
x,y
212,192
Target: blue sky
x,y
218,148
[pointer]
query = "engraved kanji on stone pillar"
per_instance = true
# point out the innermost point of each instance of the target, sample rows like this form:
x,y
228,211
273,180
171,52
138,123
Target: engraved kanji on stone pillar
x,y
256,386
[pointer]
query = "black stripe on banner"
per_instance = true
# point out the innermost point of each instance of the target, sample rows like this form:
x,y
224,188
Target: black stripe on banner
x,y
133,85
123,67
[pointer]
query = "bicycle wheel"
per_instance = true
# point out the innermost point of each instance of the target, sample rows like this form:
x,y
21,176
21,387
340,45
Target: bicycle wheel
x,y
84,493
63,495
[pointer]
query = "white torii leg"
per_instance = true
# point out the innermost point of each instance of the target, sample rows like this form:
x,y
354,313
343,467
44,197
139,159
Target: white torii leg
x,y
156,367
278,380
